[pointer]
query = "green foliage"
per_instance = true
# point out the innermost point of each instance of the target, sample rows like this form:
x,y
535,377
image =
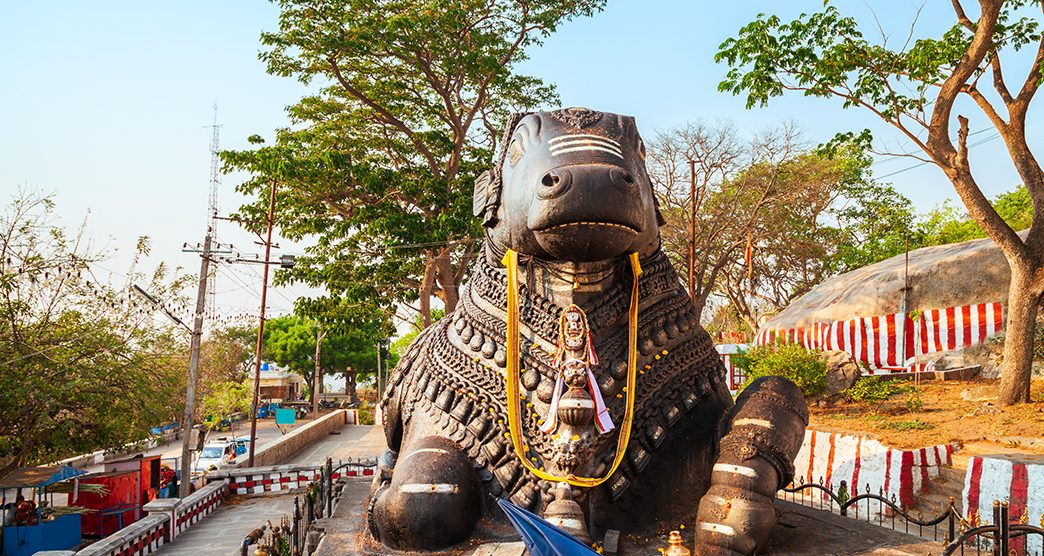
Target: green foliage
x,y
806,368
224,400
874,391
870,390
946,224
83,368
290,342
405,112
366,413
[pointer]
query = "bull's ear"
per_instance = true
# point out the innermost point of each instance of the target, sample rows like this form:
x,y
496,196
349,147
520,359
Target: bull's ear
x,y
481,195
483,203
660,221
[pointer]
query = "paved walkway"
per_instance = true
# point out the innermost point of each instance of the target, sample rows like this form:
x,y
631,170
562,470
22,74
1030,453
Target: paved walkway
x,y
221,533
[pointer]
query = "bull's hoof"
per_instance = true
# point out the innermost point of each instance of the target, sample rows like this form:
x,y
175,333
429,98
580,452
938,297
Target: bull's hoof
x,y
432,501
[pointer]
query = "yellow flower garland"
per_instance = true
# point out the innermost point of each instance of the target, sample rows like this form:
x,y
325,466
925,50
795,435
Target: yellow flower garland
x,y
514,413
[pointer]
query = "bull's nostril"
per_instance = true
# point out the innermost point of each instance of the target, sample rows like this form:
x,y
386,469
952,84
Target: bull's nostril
x,y
550,180
621,176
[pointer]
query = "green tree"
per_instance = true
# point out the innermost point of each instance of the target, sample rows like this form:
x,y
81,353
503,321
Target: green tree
x,y
916,88
946,224
381,158
223,400
344,349
82,366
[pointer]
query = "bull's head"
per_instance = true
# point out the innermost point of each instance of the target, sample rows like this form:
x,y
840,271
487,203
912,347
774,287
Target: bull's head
x,y
570,185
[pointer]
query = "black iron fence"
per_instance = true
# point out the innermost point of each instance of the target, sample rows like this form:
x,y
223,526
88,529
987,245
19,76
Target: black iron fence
x,y
290,536
1002,537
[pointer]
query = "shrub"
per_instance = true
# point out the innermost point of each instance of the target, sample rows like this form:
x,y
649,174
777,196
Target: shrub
x,y
366,413
805,368
874,391
870,390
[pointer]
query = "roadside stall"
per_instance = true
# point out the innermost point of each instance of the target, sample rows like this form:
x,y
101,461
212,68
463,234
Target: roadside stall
x,y
116,505
31,522
150,481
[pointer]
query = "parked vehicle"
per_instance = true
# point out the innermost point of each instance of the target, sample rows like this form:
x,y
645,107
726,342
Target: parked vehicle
x,y
219,453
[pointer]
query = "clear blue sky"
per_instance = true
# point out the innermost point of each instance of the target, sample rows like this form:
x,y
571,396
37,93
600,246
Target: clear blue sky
x,y
105,103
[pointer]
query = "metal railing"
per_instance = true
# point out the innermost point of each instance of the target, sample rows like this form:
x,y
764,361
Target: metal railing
x,y
876,508
1004,537
289,537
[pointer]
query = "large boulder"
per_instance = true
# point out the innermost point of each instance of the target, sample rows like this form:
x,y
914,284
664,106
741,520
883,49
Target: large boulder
x,y
951,275
842,373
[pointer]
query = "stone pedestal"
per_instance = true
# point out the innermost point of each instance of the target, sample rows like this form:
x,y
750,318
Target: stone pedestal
x,y
800,531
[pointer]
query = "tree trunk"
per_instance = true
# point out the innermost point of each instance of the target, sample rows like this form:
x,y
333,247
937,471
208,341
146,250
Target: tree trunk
x,y
425,291
349,386
317,377
1019,337
447,279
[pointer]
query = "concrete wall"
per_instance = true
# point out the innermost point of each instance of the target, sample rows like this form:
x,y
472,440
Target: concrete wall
x,y
284,448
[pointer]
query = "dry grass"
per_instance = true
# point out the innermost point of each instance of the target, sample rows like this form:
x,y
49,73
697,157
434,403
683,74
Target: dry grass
x,y
944,417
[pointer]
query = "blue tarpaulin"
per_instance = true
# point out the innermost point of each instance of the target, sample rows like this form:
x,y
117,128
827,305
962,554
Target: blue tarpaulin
x,y
542,538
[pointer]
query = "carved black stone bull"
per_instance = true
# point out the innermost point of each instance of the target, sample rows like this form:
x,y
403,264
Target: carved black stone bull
x,y
570,194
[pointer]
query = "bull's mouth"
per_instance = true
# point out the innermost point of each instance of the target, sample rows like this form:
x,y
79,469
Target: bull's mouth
x,y
614,225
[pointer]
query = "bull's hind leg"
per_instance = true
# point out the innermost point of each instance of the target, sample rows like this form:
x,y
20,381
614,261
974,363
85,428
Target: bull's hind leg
x,y
432,500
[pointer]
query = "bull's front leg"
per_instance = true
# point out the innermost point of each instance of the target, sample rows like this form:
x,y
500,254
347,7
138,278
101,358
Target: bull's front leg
x,y
426,497
767,428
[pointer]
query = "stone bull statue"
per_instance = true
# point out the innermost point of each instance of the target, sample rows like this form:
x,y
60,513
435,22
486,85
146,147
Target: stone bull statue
x,y
574,373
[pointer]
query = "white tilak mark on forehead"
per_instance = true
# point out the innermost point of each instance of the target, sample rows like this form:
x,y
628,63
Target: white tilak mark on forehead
x,y
584,144
583,136
587,148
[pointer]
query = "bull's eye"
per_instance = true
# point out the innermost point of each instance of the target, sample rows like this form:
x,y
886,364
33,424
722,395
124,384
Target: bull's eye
x,y
641,149
515,152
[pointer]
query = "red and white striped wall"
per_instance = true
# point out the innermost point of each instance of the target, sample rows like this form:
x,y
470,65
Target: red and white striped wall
x,y
1017,478
875,340
866,463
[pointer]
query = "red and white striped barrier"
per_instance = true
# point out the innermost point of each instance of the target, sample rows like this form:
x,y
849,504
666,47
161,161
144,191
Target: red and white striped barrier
x,y
864,463
197,505
875,340
144,536
1017,478
351,417
736,375
282,477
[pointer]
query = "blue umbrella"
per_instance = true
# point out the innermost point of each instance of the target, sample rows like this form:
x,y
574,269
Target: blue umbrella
x,y
540,537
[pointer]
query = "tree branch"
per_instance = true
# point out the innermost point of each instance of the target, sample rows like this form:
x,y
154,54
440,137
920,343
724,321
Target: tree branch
x,y
387,117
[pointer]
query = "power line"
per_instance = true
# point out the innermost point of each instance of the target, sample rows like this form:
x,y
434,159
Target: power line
x,y
919,164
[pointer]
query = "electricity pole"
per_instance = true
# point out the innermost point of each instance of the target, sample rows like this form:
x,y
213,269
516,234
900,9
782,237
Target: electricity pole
x,y
261,329
190,389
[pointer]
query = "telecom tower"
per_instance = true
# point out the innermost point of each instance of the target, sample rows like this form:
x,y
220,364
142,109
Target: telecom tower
x,y
212,208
